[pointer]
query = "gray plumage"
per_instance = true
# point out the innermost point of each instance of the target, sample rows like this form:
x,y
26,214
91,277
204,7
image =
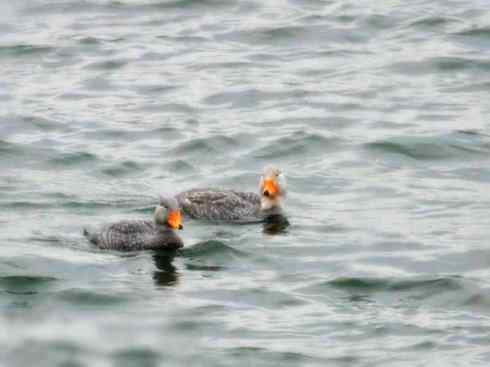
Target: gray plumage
x,y
131,235
234,206
221,205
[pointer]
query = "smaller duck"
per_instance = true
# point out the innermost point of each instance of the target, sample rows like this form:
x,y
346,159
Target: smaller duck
x,y
132,235
238,207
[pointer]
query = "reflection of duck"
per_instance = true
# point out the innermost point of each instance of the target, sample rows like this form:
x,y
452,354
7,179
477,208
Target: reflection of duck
x,y
132,235
235,206
166,273
274,224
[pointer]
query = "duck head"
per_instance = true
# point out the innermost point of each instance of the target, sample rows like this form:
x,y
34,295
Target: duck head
x,y
168,213
272,188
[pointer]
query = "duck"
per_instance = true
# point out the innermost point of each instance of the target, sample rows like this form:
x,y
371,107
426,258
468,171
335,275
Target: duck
x,y
235,206
132,235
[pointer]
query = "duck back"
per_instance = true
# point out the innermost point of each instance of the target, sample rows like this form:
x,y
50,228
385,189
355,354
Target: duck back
x,y
132,235
220,205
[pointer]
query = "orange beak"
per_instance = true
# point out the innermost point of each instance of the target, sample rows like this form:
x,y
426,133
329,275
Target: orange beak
x,y
270,188
175,219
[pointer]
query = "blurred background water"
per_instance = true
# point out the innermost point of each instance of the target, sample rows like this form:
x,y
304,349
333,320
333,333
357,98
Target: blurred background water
x,y
376,111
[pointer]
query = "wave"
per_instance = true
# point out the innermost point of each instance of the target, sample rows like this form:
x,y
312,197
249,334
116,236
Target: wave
x,y
475,31
210,249
85,297
399,285
21,50
25,284
296,144
458,145
449,64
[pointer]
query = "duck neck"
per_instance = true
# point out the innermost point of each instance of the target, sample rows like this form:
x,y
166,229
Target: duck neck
x,y
163,228
269,206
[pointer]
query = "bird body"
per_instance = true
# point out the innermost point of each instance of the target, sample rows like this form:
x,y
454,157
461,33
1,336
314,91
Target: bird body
x,y
235,206
133,235
220,205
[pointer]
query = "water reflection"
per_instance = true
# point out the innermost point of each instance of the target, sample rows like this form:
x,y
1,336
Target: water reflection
x,y
275,224
166,273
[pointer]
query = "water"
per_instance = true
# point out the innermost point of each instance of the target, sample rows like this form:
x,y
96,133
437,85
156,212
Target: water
x,y
377,113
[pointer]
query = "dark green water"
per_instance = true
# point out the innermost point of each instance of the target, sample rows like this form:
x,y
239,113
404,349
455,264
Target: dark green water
x,y
378,112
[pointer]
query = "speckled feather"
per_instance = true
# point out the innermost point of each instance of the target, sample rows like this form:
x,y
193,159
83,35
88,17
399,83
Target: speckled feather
x,y
131,235
220,205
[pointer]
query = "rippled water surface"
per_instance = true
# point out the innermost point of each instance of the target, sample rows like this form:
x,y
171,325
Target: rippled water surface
x,y
378,113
